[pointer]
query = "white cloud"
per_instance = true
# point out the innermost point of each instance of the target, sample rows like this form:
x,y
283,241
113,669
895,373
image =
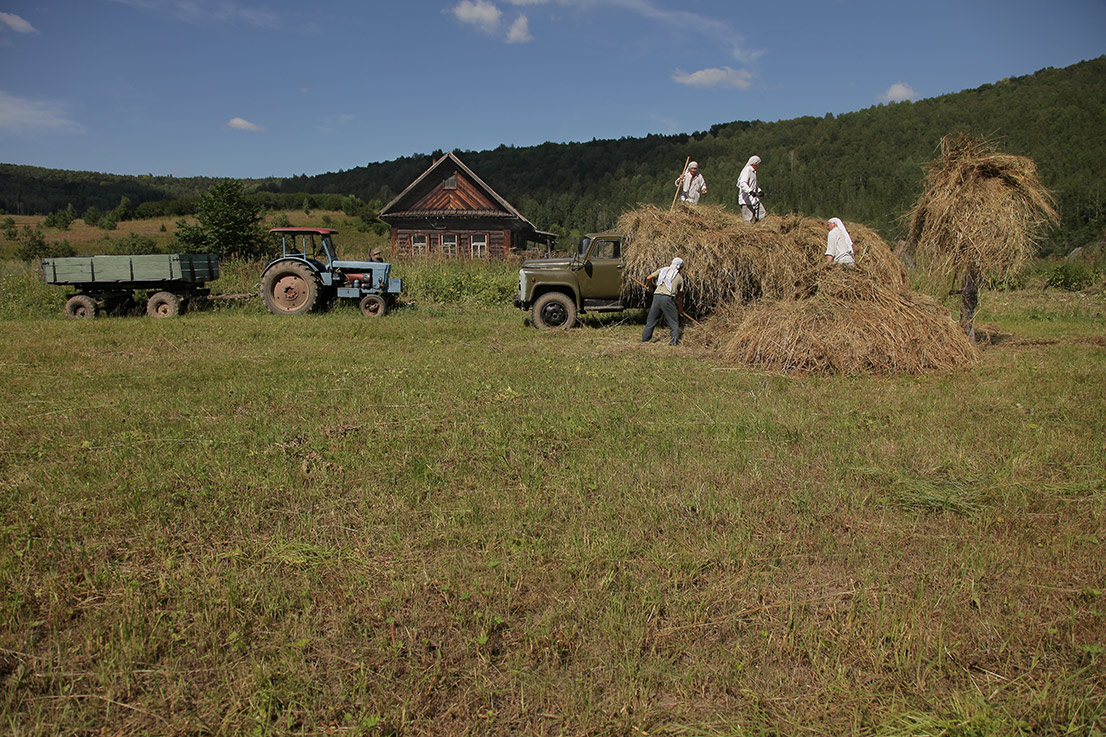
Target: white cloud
x,y
520,31
23,115
700,25
480,13
715,77
898,92
15,23
240,124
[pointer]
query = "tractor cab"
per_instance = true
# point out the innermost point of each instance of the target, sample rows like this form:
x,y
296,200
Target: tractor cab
x,y
310,244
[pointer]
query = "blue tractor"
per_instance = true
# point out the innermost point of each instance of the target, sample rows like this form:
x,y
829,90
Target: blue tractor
x,y
308,276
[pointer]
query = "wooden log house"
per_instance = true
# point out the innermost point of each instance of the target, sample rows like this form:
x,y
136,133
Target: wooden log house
x,y
449,212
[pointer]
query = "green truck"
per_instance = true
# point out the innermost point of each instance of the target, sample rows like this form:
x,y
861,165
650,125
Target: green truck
x,y
556,290
167,282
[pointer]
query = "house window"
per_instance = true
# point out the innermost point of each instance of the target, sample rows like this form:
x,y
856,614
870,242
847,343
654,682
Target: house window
x,y
479,246
418,245
450,182
449,246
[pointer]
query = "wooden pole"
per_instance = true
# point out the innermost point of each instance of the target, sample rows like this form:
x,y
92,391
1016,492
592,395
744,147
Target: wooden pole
x,y
688,161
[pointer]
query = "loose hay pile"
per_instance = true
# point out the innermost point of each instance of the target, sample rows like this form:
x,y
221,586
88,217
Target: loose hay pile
x,y
851,324
980,211
774,303
728,261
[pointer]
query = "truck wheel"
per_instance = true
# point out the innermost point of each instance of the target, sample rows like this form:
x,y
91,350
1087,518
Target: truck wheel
x,y
80,305
373,305
554,310
163,304
290,288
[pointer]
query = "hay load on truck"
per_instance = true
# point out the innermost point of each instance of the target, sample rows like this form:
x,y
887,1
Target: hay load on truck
x,y
167,282
309,276
556,290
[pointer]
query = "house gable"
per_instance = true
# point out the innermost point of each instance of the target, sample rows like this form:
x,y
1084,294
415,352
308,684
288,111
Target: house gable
x,y
455,193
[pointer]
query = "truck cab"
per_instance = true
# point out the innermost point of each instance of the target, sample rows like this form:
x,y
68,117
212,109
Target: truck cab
x,y
556,290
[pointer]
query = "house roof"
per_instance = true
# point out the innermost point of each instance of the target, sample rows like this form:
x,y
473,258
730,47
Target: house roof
x,y
401,204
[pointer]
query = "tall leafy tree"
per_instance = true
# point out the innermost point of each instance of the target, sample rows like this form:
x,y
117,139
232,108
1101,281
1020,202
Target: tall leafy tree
x,y
228,223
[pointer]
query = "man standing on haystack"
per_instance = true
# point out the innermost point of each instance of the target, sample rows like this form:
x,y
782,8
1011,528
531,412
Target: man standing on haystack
x,y
666,301
691,184
749,192
839,246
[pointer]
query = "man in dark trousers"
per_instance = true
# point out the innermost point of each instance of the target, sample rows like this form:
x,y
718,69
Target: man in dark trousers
x,y
670,286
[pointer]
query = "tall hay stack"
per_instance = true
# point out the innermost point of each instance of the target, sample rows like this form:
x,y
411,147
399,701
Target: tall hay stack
x,y
981,209
979,216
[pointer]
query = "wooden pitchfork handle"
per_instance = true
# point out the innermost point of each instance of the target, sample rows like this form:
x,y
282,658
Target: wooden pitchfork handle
x,y
688,161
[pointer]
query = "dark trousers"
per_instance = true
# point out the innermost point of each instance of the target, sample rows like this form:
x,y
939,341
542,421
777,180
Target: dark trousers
x,y
665,305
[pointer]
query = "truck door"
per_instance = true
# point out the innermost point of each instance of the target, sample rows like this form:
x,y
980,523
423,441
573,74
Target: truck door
x,y
601,275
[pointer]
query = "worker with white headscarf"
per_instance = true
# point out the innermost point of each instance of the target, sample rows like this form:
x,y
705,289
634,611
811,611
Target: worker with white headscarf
x,y
749,193
691,184
839,246
669,291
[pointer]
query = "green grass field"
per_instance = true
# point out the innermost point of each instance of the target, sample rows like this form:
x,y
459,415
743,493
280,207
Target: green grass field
x,y
444,522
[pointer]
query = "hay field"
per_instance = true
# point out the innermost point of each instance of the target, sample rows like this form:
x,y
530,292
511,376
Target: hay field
x,y
444,522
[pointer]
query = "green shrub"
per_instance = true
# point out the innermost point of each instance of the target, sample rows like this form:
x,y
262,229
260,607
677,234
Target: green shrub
x,y
1072,276
34,246
136,243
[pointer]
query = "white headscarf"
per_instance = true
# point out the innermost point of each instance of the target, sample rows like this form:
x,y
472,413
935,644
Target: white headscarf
x,y
752,160
841,226
668,273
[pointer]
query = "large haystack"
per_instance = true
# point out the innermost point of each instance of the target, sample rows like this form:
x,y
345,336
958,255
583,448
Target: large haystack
x,y
729,261
852,323
980,211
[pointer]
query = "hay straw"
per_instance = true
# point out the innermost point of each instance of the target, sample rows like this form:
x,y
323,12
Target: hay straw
x,y
981,210
851,324
729,261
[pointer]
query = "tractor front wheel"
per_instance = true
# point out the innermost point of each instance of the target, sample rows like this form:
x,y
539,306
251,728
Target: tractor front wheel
x,y
290,288
373,305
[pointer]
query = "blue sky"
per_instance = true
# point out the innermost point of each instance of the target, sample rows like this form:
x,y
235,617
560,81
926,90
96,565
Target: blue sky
x,y
254,88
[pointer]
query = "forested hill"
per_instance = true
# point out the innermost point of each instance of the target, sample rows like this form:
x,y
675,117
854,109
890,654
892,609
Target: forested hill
x,y
864,166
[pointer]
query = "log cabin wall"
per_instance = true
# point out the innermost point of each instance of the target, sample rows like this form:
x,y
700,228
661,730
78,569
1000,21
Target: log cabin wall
x,y
447,242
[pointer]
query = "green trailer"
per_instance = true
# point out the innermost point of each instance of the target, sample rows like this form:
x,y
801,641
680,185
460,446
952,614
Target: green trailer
x,y
168,282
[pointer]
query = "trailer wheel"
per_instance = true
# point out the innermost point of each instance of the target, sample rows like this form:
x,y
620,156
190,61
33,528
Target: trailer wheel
x,y
373,305
81,305
554,310
290,288
163,304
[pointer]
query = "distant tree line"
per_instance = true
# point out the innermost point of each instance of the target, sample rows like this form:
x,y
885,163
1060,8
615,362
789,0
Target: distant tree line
x,y
864,166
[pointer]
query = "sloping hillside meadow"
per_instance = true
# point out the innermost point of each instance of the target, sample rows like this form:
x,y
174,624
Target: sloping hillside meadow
x,y
445,522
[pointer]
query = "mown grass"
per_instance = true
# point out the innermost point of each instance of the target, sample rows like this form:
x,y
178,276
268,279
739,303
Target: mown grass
x,y
444,522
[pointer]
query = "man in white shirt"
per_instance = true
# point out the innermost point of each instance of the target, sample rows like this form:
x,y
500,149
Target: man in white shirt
x,y
691,184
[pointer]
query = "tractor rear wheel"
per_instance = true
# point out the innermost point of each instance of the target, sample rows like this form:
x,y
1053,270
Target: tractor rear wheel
x,y
80,305
163,304
373,305
290,288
